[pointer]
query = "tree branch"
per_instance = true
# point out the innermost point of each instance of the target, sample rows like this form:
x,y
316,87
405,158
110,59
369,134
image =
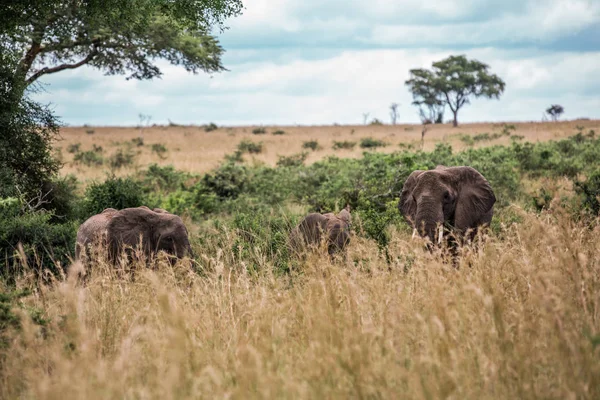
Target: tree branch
x,y
46,70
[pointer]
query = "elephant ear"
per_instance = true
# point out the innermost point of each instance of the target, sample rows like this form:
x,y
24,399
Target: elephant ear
x,y
407,205
475,199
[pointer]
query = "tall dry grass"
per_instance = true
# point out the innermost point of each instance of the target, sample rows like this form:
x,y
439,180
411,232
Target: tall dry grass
x,y
518,319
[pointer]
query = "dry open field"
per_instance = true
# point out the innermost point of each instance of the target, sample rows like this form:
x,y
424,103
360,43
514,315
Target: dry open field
x,y
192,149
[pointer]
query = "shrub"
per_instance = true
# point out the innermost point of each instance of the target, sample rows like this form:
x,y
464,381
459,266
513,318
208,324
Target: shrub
x,y
159,149
246,146
295,160
138,141
346,145
466,139
227,181
121,158
590,192
162,179
210,127
370,143
88,158
259,131
97,149
73,148
376,121
90,131
311,144
236,157
279,132
45,246
116,193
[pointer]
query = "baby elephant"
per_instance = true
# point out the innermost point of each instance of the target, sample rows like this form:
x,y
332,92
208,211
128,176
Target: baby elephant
x,y
155,230
335,229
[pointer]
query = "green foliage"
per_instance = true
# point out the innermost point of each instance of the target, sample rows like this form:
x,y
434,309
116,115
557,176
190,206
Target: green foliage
x,y
370,143
376,122
74,148
32,239
259,131
90,131
138,141
115,192
590,192
89,158
295,160
227,181
118,37
346,145
278,132
247,146
9,301
452,82
162,179
159,149
311,144
122,158
210,127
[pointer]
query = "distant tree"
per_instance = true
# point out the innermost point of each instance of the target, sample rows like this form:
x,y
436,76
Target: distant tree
x,y
555,111
394,113
365,118
115,36
452,82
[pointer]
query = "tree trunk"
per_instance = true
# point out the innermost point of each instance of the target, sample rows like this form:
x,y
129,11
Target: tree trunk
x,y
455,122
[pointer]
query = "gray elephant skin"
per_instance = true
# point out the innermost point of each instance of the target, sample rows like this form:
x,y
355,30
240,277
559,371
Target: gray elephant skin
x,y
456,196
155,230
335,229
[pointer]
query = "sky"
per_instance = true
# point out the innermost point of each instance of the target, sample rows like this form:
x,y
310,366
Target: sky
x,y
320,62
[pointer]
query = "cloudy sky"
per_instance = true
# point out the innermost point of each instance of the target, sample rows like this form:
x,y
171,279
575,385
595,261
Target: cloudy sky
x,y
329,61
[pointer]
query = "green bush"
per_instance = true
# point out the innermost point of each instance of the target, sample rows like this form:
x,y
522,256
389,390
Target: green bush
x,y
590,192
246,146
279,132
295,160
346,145
89,158
159,149
311,144
115,192
138,141
227,181
163,179
74,148
210,127
259,131
45,246
122,158
370,143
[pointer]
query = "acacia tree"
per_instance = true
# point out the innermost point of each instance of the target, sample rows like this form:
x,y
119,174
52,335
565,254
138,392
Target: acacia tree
x,y
115,36
453,82
555,111
41,37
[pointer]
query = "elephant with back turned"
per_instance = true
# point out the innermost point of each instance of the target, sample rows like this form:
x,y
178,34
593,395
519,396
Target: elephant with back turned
x,y
156,230
456,196
315,227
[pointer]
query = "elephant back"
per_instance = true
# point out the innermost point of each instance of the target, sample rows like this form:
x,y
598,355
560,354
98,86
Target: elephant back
x,y
93,229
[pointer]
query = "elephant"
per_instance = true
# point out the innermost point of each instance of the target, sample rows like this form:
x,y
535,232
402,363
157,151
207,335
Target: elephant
x,y
93,230
458,197
336,229
158,229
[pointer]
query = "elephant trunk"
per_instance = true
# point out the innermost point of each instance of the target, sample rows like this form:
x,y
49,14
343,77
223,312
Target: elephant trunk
x,y
429,219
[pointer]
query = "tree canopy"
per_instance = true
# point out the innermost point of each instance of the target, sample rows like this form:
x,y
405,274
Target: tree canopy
x,y
452,82
115,36
555,111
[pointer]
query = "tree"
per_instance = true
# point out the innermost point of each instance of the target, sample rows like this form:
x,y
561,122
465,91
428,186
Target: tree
x,y
394,112
115,36
365,117
452,82
555,111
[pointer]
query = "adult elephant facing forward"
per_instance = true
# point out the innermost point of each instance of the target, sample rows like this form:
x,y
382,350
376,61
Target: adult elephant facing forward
x,y
457,196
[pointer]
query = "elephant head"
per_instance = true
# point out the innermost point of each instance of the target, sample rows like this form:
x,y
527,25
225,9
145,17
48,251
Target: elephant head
x,y
458,196
155,231
315,226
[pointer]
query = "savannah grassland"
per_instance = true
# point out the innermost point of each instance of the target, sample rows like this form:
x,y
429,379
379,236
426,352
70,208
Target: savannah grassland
x,y
518,318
